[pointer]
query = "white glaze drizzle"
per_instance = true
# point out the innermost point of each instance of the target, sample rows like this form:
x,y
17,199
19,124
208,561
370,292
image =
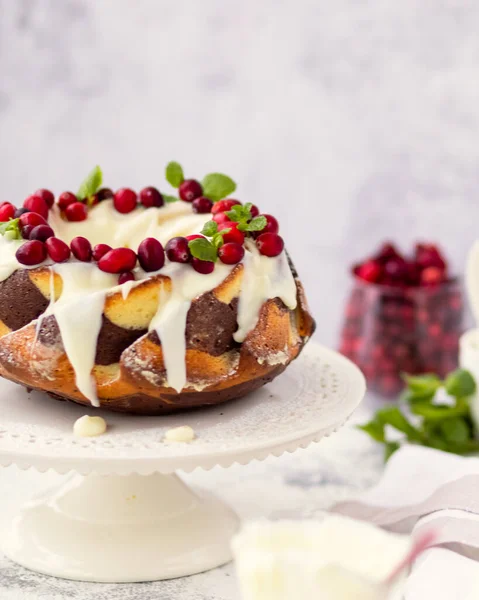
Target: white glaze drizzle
x,y
263,279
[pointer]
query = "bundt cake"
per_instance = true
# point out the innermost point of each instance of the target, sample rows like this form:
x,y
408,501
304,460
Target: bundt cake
x,y
146,303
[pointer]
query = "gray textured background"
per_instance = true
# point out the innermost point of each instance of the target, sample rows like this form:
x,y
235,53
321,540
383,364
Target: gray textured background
x,y
351,120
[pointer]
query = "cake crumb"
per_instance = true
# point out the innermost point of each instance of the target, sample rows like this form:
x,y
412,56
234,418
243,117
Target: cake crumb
x,y
87,426
180,434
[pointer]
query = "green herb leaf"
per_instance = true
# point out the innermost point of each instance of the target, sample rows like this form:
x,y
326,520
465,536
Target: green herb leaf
x,y
375,429
389,449
438,412
11,229
460,383
455,431
421,385
169,199
257,224
203,249
393,416
210,228
217,186
91,184
174,174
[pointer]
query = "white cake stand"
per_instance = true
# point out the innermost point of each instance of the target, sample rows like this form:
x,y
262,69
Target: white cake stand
x,y
123,515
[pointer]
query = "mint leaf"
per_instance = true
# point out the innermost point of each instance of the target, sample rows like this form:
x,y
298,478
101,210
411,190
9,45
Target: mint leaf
x,y
217,240
210,228
169,199
460,383
91,184
421,385
393,416
217,186
455,431
11,229
174,174
203,249
375,429
438,412
257,224
389,449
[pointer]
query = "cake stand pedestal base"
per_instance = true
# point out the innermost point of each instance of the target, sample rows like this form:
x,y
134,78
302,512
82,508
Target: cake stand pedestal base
x,y
122,528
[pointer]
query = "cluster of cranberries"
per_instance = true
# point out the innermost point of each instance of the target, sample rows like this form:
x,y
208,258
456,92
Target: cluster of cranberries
x,y
42,243
409,323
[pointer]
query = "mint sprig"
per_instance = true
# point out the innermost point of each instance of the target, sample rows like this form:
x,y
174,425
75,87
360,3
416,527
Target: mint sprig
x,y
422,418
241,214
174,174
207,249
91,184
217,186
169,199
11,229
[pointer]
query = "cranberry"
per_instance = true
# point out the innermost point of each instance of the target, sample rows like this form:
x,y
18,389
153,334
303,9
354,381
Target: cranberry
x,y
124,200
31,218
27,230
234,236
31,253
386,252
270,244
254,210
203,266
66,199
396,269
370,271
202,205
126,276
151,254
46,195
428,255
432,276
224,205
57,250
231,254
37,205
150,196
104,194
19,212
177,249
100,250
41,232
118,261
76,212
221,218
81,248
7,211
195,236
272,225
189,190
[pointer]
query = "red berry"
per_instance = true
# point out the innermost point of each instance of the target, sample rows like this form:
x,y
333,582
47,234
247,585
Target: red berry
x,y
151,254
66,199
7,211
124,200
386,252
396,269
100,250
104,194
195,236
270,244
177,249
432,276
427,255
231,254
81,248
150,196
370,271
224,205
41,232
37,205
221,218
254,210
32,219
26,231
57,250
118,261
31,253
47,196
189,190
124,277
234,236
202,205
19,212
76,212
203,266
272,225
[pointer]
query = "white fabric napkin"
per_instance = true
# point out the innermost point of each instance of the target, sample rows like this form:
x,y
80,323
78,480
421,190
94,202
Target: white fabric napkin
x,y
427,489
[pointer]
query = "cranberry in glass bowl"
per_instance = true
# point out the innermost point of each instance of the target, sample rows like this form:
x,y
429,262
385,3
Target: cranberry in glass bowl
x,y
404,315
